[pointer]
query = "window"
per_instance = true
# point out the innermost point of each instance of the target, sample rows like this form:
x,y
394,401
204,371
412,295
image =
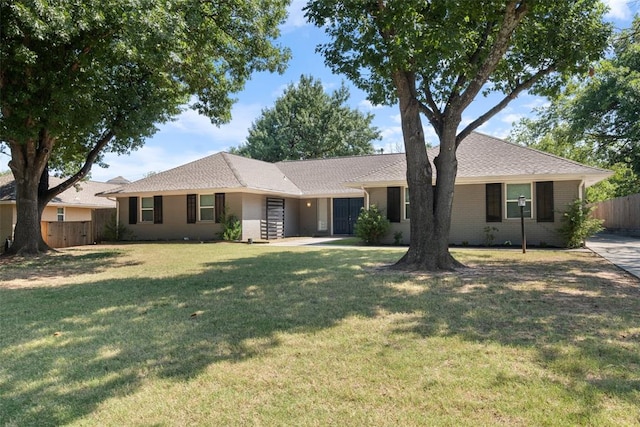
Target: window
x,y
406,203
513,192
493,202
146,209
207,207
60,214
393,204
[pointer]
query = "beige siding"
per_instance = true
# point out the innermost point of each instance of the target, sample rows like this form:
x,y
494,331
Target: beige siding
x,y
7,222
308,224
468,218
378,197
71,214
292,210
253,212
174,222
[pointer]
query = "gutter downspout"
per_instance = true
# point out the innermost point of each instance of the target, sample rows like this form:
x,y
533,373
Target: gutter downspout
x,y
366,197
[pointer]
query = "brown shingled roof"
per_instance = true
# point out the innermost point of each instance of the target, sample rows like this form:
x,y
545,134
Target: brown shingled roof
x,y
83,194
480,158
218,171
483,158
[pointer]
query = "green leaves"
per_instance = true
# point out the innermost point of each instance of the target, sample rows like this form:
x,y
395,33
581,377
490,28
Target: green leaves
x,y
307,123
78,68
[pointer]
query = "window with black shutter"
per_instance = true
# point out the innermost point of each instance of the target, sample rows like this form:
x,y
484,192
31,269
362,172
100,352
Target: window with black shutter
x,y
393,204
544,201
157,209
219,207
133,210
494,202
191,208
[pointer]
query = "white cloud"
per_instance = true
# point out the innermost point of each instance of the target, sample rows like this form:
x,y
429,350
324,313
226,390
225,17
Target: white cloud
x,y
149,158
618,9
368,105
295,17
191,122
511,118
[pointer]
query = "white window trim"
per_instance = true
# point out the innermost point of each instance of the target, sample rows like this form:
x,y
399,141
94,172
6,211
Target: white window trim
x,y
405,203
212,207
507,200
58,214
142,209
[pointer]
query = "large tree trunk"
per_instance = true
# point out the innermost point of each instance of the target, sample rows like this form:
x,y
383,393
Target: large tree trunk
x,y
28,164
430,210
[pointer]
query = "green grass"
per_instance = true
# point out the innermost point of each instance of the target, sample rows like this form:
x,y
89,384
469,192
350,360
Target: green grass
x,y
229,334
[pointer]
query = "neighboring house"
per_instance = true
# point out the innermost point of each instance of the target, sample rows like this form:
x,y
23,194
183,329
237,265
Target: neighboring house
x,y
324,196
77,204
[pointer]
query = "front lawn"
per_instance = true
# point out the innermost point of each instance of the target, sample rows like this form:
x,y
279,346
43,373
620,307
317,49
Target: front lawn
x,y
233,334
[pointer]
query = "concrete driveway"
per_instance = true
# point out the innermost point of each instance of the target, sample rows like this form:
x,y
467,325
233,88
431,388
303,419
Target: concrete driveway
x,y
622,251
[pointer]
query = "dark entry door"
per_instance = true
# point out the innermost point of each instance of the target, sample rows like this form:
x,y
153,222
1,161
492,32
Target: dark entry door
x,y
345,214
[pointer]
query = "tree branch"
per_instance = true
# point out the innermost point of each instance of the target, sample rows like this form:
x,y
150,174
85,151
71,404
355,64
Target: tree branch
x,y
514,13
86,168
503,103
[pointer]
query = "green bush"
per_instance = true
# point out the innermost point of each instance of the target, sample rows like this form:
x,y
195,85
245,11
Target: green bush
x,y
578,224
371,225
114,231
231,227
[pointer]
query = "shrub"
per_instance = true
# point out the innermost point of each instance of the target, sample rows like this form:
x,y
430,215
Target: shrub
x,y
397,238
371,225
489,237
231,227
578,225
114,231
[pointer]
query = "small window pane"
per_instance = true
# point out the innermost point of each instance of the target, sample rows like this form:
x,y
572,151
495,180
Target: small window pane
x,y
516,190
207,200
206,214
147,215
513,210
147,202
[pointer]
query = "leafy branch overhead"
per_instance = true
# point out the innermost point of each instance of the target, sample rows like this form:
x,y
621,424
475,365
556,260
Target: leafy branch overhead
x,y
80,78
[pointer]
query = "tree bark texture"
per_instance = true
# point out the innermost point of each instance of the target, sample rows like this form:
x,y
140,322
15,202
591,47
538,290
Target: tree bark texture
x,y
28,163
430,210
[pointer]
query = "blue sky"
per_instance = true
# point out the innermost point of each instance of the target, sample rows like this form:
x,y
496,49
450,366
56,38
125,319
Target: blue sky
x,y
192,136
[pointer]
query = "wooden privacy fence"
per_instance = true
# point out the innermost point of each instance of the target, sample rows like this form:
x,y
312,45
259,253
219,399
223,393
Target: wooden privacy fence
x,y
69,233
77,233
620,214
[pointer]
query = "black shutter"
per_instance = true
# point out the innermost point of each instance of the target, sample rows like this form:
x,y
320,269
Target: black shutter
x,y
157,209
133,210
393,204
494,202
191,208
219,207
544,201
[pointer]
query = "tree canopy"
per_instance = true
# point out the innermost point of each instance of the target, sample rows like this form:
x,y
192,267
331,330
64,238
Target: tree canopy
x,y
596,119
308,123
435,58
83,77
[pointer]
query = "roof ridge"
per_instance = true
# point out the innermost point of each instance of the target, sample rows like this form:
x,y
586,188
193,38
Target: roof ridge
x,y
233,169
545,153
352,156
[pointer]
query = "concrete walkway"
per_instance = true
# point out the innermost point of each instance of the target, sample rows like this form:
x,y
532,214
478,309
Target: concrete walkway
x,y
622,251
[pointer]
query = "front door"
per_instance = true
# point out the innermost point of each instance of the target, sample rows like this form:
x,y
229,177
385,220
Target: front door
x,y
345,214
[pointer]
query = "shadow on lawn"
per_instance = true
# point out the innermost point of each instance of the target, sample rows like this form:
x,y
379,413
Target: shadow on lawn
x,y
117,333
